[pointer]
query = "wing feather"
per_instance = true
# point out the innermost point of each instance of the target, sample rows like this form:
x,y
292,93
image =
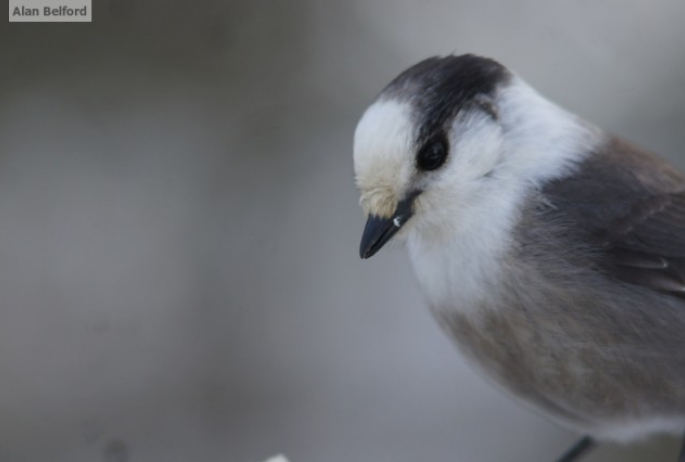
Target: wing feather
x,y
632,204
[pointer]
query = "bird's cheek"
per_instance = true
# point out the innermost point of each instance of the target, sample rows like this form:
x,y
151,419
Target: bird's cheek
x,y
434,207
430,201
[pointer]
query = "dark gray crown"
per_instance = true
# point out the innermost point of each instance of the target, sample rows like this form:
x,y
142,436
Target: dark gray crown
x,y
438,88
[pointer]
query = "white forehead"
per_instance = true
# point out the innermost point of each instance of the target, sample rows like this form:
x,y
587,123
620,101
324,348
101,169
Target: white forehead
x,y
383,159
384,136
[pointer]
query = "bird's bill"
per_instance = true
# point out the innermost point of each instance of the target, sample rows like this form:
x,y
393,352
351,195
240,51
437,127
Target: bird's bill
x,y
380,230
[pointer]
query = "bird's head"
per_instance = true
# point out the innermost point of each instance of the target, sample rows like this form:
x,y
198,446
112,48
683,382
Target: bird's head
x,y
427,143
442,137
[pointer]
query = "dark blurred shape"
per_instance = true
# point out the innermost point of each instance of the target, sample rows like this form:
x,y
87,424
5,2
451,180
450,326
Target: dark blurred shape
x,y
115,451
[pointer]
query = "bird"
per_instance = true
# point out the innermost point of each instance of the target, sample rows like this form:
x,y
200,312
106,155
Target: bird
x,y
551,251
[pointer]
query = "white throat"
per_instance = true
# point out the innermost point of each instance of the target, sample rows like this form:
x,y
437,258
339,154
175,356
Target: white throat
x,y
541,142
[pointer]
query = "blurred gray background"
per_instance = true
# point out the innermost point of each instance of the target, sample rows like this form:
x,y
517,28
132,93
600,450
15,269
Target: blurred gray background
x,y
179,278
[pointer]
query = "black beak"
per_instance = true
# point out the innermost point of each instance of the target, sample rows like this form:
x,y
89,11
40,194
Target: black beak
x,y
379,230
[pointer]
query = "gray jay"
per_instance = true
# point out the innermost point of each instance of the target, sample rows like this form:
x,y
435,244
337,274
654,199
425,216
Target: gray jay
x,y
551,252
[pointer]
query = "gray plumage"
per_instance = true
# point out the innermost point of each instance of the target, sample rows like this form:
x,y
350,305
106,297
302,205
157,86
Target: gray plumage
x,y
590,321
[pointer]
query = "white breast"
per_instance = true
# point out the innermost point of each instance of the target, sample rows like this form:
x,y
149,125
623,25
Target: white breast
x,y
461,271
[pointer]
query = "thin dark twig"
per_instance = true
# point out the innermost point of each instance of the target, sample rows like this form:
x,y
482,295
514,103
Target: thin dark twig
x,y
579,448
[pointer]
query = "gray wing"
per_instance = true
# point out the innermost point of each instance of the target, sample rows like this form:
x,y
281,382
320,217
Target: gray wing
x,y
647,246
631,205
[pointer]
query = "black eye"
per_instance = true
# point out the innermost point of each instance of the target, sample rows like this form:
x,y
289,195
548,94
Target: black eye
x,y
432,155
